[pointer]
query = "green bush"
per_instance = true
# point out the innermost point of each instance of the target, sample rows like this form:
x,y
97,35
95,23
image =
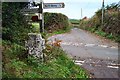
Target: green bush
x,y
55,22
11,53
12,50
14,25
110,28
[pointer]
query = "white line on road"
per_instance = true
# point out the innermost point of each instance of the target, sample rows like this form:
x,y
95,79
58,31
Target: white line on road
x,y
86,45
79,61
113,67
90,45
103,46
113,47
79,64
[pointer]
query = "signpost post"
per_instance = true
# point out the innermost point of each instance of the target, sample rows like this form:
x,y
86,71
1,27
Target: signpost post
x,y
39,10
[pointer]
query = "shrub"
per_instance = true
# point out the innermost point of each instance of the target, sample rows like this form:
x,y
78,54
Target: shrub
x,y
55,22
110,27
15,26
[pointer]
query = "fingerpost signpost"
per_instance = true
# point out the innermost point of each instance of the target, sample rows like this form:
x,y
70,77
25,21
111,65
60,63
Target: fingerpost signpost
x,y
39,10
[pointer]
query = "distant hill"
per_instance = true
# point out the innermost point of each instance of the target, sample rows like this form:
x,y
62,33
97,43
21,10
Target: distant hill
x,y
76,21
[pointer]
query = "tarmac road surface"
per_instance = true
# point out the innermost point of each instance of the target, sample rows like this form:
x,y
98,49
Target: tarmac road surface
x,y
97,55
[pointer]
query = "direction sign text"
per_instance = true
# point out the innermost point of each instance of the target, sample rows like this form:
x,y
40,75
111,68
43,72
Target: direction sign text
x,y
53,5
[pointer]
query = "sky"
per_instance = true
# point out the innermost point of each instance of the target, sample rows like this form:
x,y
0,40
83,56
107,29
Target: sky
x,y
73,8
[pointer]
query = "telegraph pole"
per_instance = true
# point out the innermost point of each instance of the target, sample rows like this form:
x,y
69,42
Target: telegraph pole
x,y
43,29
81,13
102,12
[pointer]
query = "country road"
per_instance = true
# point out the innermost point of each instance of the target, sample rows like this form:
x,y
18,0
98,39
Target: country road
x,y
97,55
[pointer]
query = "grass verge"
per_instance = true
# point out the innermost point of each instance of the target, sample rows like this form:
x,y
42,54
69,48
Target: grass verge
x,y
36,27
99,32
46,34
57,32
17,64
56,64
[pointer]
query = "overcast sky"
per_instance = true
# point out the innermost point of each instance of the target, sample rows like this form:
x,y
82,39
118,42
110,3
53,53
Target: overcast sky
x,y
73,7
